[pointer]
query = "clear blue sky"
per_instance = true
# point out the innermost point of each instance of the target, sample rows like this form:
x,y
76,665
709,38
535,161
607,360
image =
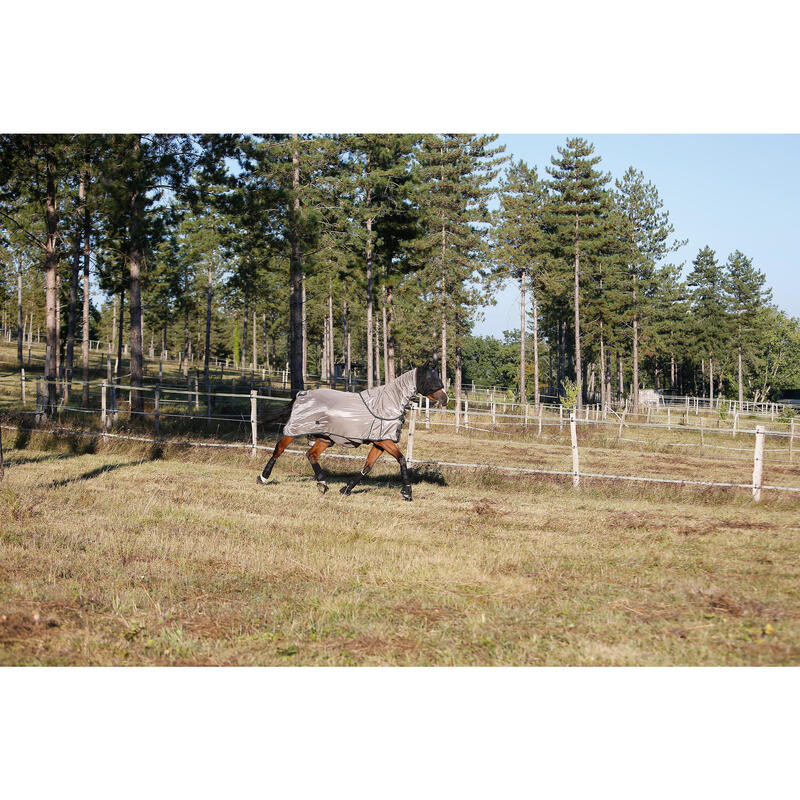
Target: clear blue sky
x,y
732,192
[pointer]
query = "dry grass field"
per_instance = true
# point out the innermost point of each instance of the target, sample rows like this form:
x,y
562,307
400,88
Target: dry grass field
x,y
118,553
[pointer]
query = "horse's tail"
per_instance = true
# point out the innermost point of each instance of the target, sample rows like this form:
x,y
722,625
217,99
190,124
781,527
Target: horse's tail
x,y
278,415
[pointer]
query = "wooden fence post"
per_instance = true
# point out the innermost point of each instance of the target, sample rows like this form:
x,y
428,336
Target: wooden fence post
x,y
525,423
412,425
254,419
540,420
427,412
466,413
735,424
702,432
576,479
494,419
103,406
38,401
560,418
22,385
669,419
157,405
758,463
791,440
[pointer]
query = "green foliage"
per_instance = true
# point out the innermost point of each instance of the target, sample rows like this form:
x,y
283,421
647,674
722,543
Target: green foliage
x,y
570,397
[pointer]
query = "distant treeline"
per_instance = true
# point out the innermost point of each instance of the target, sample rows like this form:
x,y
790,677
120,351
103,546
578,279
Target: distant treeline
x,y
366,253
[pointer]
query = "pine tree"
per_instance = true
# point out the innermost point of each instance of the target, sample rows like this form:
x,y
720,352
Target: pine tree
x,y
746,295
709,312
647,238
519,236
573,220
455,172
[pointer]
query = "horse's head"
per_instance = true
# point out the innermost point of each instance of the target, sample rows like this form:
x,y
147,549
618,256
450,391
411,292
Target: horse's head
x,y
430,384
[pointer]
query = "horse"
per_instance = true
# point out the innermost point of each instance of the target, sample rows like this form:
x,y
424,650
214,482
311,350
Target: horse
x,y
374,416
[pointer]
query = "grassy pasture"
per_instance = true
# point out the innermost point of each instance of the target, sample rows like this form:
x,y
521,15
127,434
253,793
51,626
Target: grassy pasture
x,y
118,553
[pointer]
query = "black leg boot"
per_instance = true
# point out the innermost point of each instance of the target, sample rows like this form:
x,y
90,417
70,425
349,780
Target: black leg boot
x,y
345,490
264,476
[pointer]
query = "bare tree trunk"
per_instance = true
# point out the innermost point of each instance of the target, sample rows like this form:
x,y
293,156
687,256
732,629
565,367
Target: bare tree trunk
x,y
578,365
187,342
207,353
332,364
377,354
51,268
255,343
297,337
536,397
118,370
20,328
562,325
135,265
444,303
346,346
73,287
603,398
305,330
390,351
266,341
458,385
620,376
523,386
244,330
370,375
59,365
85,343
635,351
386,377
711,379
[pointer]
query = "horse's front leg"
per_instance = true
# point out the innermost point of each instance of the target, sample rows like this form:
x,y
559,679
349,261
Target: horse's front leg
x,y
393,450
313,456
282,444
372,457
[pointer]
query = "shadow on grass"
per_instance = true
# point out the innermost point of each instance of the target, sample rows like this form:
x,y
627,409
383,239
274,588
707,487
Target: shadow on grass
x,y
93,473
12,461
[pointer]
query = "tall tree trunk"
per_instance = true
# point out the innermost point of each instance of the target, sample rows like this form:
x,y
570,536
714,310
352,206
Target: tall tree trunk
x,y
444,302
386,377
535,345
620,376
635,351
739,359
711,379
73,286
377,354
578,365
603,398
187,342
296,284
51,268
135,266
523,386
266,341
59,364
118,369
207,353
370,373
562,348
458,385
390,351
346,333
332,365
304,326
20,327
244,330
85,344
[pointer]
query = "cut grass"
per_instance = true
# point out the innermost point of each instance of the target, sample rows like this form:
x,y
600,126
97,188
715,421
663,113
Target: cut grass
x,y
135,555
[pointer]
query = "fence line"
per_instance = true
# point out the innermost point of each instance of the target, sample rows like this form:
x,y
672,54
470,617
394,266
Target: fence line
x,y
436,464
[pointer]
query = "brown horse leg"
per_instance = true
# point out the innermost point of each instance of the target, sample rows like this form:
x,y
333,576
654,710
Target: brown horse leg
x,y
373,456
393,450
282,444
313,456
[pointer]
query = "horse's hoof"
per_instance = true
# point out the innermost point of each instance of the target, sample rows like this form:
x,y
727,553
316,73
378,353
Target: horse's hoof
x,y
345,490
322,487
261,479
406,493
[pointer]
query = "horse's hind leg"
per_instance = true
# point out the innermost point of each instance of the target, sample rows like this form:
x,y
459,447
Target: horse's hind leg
x,y
282,444
393,450
313,456
373,456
